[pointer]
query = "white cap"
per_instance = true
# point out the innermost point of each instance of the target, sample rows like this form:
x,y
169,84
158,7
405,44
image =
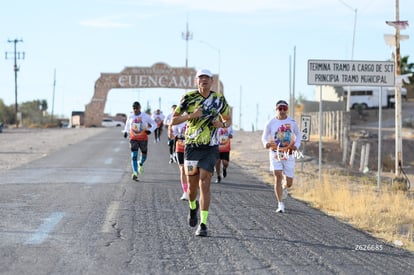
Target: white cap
x,y
204,72
281,103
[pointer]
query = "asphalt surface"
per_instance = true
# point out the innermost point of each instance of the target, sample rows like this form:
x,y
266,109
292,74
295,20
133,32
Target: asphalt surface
x,y
77,211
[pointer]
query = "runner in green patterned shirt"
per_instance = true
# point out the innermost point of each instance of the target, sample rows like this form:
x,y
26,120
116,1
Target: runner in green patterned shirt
x,y
205,112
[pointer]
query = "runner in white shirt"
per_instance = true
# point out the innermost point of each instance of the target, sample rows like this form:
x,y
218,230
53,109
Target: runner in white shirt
x,y
138,126
177,134
282,137
225,135
167,122
158,117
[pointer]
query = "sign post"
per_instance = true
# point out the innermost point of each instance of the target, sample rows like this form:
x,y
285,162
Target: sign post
x,y
351,73
305,128
348,73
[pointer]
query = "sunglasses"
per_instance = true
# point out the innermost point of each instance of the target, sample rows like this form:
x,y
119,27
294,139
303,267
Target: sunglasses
x,y
282,108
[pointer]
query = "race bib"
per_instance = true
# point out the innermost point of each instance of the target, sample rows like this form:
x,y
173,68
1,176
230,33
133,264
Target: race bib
x,y
190,167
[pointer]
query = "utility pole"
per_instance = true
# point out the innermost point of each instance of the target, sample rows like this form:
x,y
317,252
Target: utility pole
x,y
240,109
397,24
53,100
16,55
187,35
398,126
257,116
290,84
292,104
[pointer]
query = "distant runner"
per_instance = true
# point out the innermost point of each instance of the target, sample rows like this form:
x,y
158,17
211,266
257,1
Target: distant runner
x,y
177,133
171,142
138,126
225,135
158,117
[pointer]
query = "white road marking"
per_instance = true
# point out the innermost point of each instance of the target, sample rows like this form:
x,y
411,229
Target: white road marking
x,y
45,228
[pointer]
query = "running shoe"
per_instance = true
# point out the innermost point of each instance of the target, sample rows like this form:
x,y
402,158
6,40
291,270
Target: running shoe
x,y
224,172
201,230
281,208
218,180
141,168
135,176
184,197
192,217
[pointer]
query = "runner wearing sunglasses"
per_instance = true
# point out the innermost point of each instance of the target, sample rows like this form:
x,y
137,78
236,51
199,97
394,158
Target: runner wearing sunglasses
x,y
282,138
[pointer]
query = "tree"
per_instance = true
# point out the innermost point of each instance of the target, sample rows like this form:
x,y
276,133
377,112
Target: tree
x,y
301,98
34,111
6,113
406,67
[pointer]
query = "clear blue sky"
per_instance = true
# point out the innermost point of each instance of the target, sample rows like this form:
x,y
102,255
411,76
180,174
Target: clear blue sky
x,y
255,39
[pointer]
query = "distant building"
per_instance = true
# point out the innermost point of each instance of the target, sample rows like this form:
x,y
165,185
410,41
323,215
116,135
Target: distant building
x,y
77,119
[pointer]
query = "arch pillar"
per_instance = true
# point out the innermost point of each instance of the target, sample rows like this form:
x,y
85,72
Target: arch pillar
x,y
160,75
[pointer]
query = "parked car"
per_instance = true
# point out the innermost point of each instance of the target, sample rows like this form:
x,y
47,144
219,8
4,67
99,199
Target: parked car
x,y
109,122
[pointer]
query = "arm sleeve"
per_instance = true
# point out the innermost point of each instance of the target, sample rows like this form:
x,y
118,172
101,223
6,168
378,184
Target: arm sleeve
x,y
265,135
230,129
127,126
153,124
174,130
167,119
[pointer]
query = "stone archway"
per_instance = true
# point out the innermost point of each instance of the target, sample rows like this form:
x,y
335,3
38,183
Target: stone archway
x,y
160,75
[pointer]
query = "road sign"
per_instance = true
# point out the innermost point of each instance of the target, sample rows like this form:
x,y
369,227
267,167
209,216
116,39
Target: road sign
x,y
351,73
305,127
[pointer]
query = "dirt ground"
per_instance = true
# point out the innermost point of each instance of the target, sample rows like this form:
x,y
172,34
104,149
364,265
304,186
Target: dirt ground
x,y
23,145
365,131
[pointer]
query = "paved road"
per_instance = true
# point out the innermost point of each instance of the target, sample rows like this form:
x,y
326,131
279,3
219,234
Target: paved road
x,y
77,212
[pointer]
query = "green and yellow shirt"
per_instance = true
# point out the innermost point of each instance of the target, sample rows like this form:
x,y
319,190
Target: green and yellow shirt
x,y
200,131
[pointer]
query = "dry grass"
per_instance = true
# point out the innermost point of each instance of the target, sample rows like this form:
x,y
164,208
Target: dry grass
x,y
352,198
384,213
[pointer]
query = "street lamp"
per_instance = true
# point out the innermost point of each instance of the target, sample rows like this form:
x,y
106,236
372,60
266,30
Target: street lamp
x,y
219,63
